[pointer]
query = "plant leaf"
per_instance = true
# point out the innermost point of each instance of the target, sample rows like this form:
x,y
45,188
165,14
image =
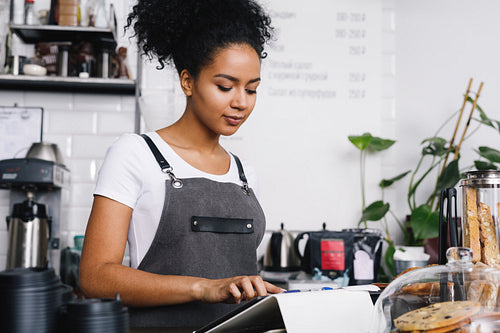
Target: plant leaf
x,y
483,166
389,259
436,146
484,119
424,222
490,154
361,141
388,182
375,211
379,144
449,177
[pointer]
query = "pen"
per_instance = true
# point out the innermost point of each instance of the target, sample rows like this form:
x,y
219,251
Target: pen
x,y
306,290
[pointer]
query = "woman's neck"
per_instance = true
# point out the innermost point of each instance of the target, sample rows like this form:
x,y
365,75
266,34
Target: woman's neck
x,y
197,146
188,133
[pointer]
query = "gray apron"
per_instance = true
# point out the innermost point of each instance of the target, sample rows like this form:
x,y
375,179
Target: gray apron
x,y
207,229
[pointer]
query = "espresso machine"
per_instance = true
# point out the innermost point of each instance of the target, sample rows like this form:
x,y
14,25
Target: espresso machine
x,y
38,185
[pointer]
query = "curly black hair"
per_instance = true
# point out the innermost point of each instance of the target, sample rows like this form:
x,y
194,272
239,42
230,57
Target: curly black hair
x,y
190,32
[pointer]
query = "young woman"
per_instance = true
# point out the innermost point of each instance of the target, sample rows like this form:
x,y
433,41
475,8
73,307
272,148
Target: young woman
x,y
184,204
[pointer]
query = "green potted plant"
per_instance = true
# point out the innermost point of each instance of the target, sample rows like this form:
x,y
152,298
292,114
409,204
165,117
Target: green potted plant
x,y
423,221
438,164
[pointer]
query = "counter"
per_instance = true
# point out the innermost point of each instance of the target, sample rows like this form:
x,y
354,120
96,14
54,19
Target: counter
x,y
161,330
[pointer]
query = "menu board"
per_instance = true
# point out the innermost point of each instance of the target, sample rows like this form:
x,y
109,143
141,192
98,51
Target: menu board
x,y
320,83
19,128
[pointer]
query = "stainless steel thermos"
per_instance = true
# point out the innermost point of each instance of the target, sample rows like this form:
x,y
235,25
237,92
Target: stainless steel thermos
x,y
29,232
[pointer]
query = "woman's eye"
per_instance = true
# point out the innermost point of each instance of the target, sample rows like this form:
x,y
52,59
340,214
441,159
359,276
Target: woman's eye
x,y
251,91
222,88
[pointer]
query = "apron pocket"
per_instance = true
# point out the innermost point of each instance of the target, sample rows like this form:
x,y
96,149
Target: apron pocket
x,y
221,225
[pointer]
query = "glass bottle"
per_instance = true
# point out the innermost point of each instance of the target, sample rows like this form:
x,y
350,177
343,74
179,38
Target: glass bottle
x,y
30,17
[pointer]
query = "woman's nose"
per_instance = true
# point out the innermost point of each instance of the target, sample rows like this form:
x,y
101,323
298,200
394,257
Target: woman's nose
x,y
240,99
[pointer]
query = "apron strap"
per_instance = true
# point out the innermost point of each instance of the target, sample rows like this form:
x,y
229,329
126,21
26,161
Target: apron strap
x,y
158,156
241,173
164,165
176,182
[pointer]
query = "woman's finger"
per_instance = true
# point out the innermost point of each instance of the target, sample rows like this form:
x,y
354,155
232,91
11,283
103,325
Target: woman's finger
x,y
248,288
235,292
259,286
272,289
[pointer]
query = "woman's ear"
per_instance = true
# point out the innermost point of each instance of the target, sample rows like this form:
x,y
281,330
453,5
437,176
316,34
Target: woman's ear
x,y
187,82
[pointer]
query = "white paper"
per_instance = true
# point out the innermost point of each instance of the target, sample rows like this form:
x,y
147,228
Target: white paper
x,y
19,128
326,311
313,311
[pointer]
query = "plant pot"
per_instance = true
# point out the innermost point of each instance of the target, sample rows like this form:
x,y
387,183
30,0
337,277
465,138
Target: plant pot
x,y
407,257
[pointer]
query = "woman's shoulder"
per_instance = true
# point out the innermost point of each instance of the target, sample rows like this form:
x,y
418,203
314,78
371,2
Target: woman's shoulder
x,y
127,139
128,154
128,145
125,169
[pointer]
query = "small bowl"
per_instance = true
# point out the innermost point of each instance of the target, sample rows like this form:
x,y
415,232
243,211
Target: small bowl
x,y
36,70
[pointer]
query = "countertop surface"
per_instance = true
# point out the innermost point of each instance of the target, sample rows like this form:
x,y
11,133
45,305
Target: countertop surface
x,y
162,329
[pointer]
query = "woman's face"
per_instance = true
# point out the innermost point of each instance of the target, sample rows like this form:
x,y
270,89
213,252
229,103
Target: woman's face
x,y
224,93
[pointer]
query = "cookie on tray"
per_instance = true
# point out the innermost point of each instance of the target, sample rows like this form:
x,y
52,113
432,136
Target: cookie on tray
x,y
438,315
425,288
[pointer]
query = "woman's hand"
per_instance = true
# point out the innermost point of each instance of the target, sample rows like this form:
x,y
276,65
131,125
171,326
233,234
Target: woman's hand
x,y
234,289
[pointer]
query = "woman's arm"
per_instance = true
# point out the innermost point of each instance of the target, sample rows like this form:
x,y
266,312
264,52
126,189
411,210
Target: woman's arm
x,y
102,274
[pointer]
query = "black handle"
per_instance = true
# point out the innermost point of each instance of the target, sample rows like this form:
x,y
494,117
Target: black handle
x,y
296,244
448,225
276,240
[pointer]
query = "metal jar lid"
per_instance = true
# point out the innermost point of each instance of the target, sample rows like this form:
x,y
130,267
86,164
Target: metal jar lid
x,y
489,178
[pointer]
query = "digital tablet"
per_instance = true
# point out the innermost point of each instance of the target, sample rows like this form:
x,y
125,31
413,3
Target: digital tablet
x,y
260,314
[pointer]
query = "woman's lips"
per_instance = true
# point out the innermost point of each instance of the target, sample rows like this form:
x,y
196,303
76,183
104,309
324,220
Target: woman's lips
x,y
234,121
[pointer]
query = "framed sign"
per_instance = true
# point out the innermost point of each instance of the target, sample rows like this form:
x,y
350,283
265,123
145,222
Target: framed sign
x,y
19,128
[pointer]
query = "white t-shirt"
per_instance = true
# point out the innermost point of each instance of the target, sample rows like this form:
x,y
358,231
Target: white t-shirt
x,y
131,175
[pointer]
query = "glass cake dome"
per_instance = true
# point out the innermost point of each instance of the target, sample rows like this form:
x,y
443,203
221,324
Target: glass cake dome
x,y
457,297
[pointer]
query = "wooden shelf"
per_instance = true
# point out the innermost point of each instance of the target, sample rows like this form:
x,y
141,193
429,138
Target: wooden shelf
x,y
68,84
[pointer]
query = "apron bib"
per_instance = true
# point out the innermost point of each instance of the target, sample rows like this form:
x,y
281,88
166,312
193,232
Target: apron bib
x,y
207,229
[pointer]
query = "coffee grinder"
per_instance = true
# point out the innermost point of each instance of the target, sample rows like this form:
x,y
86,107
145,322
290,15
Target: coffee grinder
x,y
37,184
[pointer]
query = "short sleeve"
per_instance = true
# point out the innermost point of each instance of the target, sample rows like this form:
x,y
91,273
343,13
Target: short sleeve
x,y
119,175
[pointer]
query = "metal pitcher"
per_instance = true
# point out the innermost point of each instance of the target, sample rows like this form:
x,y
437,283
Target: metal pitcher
x,y
29,232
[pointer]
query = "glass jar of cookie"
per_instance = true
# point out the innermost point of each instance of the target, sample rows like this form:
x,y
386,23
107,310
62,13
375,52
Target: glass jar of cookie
x,y
481,212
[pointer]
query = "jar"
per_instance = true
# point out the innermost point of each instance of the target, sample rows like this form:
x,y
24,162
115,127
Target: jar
x,y
481,212
30,17
460,296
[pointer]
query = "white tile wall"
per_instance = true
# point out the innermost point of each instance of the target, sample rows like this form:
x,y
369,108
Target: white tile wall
x,y
84,125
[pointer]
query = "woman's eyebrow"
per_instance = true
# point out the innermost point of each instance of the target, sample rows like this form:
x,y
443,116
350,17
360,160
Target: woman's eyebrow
x,y
233,79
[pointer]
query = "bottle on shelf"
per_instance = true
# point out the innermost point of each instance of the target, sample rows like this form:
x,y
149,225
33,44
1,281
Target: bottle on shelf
x,y
30,17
